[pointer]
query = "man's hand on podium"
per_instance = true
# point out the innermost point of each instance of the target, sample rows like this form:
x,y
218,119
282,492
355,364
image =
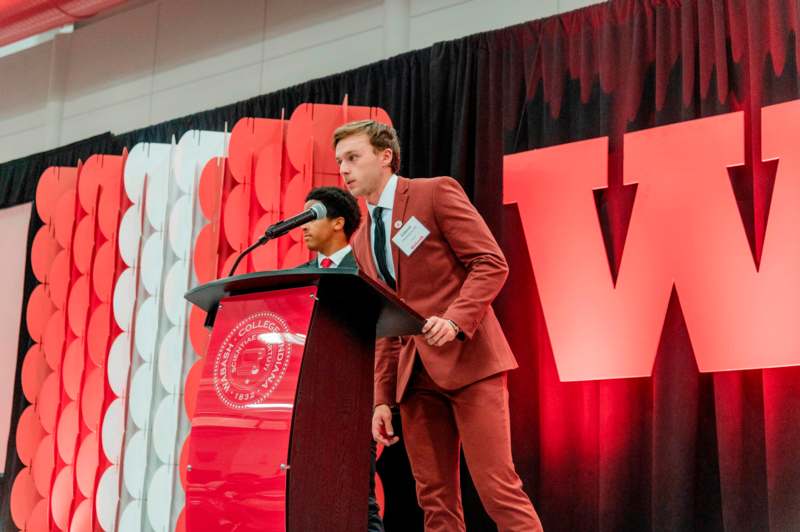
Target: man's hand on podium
x,y
438,331
382,431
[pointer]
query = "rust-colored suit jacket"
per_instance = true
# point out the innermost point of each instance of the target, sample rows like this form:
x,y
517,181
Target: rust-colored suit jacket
x,y
455,273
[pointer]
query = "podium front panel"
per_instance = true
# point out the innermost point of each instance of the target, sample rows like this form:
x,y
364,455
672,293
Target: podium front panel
x,y
239,442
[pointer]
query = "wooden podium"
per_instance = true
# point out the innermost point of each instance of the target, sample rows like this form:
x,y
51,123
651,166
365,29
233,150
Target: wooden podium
x,y
281,433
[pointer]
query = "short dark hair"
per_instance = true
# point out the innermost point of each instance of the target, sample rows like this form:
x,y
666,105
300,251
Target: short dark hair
x,y
339,203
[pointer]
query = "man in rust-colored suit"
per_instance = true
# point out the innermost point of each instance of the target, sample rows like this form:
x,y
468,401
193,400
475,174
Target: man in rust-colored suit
x,y
427,242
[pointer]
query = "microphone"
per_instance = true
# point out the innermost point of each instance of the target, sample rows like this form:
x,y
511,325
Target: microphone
x,y
315,212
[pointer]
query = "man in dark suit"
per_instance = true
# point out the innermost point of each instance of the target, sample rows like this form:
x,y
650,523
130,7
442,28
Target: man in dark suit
x,y
426,241
330,238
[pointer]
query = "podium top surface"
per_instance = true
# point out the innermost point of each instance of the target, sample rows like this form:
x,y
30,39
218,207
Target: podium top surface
x,y
395,318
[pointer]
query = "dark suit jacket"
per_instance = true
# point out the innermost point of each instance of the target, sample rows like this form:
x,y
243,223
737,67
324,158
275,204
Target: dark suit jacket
x,y
455,273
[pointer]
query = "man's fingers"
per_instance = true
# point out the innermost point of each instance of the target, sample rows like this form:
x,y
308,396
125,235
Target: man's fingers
x,y
382,431
434,330
436,337
428,324
387,425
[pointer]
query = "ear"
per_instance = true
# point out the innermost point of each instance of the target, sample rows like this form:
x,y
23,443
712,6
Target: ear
x,y
338,224
386,156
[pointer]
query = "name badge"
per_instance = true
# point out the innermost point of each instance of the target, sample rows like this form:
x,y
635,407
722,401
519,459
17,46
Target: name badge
x,y
410,236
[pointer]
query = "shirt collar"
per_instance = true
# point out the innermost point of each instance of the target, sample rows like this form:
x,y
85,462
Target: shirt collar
x,y
386,201
336,257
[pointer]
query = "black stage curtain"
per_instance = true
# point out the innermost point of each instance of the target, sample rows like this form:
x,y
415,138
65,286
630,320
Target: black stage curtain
x,y
691,450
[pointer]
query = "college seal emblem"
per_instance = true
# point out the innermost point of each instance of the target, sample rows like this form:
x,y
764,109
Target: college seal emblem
x,y
252,360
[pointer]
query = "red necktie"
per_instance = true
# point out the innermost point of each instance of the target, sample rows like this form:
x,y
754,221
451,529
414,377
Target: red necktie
x,y
326,262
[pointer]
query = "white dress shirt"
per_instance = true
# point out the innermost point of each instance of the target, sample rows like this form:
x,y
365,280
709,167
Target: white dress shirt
x,y
336,258
387,202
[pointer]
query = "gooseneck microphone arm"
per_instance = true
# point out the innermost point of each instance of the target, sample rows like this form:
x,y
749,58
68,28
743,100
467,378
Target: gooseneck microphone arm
x,y
315,212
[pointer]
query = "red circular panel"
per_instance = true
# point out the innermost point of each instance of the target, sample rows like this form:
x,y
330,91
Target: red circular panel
x,y
198,334
61,497
191,386
180,524
29,434
248,137
83,244
92,399
64,218
39,310
82,518
265,257
110,206
53,340
52,184
99,333
294,200
58,279
298,134
23,498
72,369
47,193
67,434
297,254
210,187
43,252
86,465
295,196
43,464
78,305
38,520
268,177
183,463
34,372
227,264
47,403
205,254
103,271
236,219
89,182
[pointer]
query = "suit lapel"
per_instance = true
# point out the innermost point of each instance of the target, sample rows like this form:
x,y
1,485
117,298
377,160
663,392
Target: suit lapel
x,y
398,215
348,261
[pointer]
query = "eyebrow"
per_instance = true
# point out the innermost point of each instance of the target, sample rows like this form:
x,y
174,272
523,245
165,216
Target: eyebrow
x,y
345,154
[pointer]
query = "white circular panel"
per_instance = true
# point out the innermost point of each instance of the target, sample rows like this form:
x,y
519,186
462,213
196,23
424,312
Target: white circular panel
x,y
152,262
130,232
144,158
157,194
113,430
131,519
135,465
175,285
107,498
170,356
159,497
141,395
119,363
124,299
146,328
180,226
195,149
165,429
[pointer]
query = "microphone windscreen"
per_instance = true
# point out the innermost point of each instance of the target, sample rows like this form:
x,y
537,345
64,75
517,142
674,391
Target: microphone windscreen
x,y
320,210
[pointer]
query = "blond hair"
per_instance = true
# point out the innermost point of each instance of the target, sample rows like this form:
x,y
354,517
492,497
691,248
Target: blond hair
x,y
380,137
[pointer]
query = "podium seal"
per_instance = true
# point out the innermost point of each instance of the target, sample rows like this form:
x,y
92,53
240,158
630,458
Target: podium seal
x,y
252,360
